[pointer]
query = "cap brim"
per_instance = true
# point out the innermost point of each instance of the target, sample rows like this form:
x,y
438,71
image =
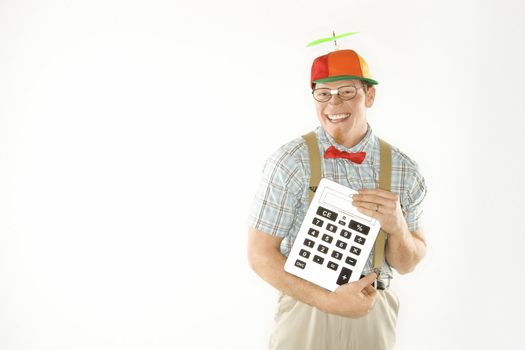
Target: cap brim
x,y
346,77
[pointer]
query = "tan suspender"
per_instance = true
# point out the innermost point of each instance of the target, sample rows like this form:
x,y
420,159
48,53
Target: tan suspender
x,y
385,177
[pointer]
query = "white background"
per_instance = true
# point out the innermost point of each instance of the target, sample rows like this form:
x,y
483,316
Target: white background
x,y
133,134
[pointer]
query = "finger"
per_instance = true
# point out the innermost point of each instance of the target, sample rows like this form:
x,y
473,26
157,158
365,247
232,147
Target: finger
x,y
367,205
367,198
370,291
372,213
378,192
366,281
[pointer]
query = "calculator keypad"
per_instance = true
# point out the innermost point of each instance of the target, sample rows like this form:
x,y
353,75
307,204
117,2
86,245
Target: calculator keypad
x,y
333,243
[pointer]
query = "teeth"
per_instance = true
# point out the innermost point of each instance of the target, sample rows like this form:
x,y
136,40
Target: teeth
x,y
337,116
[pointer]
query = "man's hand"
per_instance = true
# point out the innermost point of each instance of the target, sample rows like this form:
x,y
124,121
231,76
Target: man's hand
x,y
383,206
353,299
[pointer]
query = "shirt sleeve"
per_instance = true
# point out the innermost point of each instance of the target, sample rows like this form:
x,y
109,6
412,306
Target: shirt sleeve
x,y
414,207
279,195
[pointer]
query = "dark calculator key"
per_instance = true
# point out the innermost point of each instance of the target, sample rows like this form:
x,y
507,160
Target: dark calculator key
x,y
322,249
350,260
328,238
333,266
344,276
309,243
341,222
313,232
300,264
355,250
341,244
331,228
318,259
359,240
318,222
304,253
354,225
346,234
337,255
330,215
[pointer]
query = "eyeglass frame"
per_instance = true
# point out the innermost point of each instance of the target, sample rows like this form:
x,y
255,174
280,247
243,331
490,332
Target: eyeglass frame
x,y
336,92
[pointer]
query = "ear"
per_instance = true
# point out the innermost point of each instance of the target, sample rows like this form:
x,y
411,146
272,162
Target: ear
x,y
370,96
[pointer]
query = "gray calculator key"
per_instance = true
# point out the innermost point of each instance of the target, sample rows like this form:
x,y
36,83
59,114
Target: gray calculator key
x,y
332,265
313,232
341,244
328,238
331,228
300,264
359,239
354,225
344,276
337,255
330,215
355,250
351,261
346,234
318,259
304,253
322,249
309,243
318,222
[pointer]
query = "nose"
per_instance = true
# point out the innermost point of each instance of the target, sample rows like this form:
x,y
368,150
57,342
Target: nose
x,y
335,100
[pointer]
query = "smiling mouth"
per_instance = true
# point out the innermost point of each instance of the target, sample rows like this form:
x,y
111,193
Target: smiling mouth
x,y
336,118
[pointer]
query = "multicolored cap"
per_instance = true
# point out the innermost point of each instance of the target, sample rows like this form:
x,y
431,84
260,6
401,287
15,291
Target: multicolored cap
x,y
340,65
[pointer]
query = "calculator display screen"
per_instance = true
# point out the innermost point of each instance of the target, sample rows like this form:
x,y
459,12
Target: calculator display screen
x,y
337,201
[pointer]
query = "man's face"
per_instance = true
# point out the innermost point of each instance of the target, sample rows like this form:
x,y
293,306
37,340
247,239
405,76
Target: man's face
x,y
341,118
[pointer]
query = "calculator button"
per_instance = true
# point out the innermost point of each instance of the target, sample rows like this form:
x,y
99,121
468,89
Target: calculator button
x,y
331,228
350,260
341,244
344,276
318,222
322,249
355,250
341,222
300,264
337,255
354,225
309,243
333,266
313,232
330,215
328,238
359,239
346,234
304,253
318,259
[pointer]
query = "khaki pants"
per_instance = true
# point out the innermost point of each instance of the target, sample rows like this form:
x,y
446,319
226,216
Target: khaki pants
x,y
301,327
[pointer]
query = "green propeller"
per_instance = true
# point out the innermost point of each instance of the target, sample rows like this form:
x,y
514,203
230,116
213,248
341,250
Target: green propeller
x,y
333,38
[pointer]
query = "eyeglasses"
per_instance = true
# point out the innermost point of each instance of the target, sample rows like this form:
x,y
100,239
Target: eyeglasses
x,y
345,93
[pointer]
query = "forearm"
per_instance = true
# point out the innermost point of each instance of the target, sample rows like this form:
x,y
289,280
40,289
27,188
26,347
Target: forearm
x,y
404,251
270,267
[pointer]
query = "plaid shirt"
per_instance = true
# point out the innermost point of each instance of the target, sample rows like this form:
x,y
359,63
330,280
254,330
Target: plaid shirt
x,y
281,201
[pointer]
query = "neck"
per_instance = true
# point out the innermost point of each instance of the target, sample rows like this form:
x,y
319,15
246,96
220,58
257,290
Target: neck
x,y
350,138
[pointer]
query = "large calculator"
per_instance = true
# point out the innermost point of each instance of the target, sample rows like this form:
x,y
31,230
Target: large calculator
x,y
334,241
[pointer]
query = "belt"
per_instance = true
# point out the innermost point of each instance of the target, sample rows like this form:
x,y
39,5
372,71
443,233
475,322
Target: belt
x,y
380,284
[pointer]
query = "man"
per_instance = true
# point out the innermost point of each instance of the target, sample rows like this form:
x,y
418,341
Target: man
x,y
357,315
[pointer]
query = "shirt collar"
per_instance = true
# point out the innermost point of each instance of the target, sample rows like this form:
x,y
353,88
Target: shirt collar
x,y
365,145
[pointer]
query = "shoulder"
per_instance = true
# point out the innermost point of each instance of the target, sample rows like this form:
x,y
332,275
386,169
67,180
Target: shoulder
x,y
288,163
408,174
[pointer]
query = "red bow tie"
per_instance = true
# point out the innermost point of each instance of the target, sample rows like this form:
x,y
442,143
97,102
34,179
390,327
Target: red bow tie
x,y
356,157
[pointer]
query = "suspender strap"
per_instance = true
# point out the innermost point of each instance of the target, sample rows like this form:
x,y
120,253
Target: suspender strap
x,y
385,179
315,163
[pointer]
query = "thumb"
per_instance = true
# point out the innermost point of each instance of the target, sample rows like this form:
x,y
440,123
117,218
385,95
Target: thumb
x,y
366,281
